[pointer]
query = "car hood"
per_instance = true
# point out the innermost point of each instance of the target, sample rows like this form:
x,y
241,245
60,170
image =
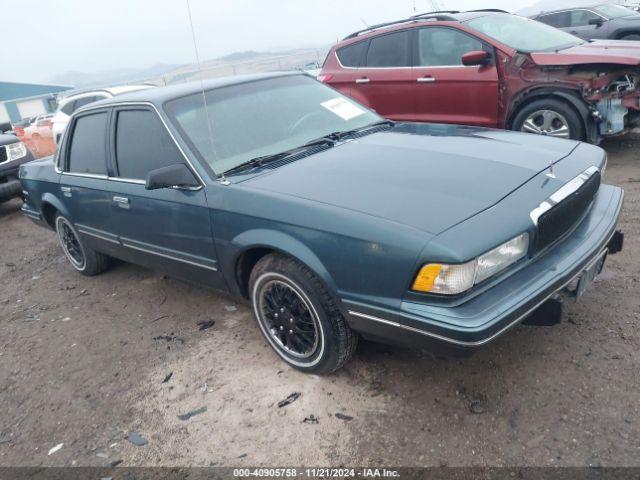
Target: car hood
x,y
623,52
6,139
429,177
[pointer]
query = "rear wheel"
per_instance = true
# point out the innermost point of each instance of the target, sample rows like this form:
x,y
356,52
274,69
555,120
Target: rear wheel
x,y
81,257
298,317
550,117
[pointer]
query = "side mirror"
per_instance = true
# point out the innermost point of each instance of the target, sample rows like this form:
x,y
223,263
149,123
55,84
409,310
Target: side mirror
x,y
176,175
476,57
598,22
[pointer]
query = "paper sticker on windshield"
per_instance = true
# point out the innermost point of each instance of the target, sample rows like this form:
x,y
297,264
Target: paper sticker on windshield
x,y
343,108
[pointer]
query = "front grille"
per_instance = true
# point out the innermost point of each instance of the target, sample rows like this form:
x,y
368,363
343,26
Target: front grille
x,y
3,154
561,218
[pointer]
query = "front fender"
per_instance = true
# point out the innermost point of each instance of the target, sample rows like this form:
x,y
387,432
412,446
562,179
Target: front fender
x,y
280,242
570,96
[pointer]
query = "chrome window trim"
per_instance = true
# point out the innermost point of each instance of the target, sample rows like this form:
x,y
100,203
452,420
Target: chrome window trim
x,y
563,192
127,180
97,176
164,123
335,52
546,14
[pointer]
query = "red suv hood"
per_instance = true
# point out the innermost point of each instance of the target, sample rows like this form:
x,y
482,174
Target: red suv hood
x,y
621,52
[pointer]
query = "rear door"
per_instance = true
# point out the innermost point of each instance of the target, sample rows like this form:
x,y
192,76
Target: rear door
x,y
341,67
167,228
576,22
385,82
445,90
83,183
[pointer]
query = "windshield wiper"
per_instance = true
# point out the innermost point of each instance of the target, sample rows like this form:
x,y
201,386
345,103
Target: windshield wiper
x,y
337,136
264,159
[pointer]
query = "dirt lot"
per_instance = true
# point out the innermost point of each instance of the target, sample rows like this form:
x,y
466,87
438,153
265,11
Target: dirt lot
x,y
82,362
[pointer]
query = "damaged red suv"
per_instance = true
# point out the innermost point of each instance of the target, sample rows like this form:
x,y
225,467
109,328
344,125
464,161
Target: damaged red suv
x,y
492,69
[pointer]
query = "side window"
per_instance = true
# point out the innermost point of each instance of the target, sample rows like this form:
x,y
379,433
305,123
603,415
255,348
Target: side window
x,y
580,18
142,144
87,147
68,108
558,20
81,102
350,56
389,51
440,47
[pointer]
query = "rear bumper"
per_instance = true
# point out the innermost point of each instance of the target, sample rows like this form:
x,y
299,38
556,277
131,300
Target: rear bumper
x,y
492,313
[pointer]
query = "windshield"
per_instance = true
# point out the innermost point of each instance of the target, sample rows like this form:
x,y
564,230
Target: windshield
x,y
263,118
614,11
523,34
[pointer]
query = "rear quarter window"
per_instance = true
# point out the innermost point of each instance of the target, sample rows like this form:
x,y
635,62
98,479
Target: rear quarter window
x,y
88,141
351,55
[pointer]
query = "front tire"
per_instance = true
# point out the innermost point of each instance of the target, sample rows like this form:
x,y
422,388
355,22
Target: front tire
x,y
81,257
632,36
550,117
298,316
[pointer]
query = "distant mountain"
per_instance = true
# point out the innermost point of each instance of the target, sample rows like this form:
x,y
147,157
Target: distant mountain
x,y
111,77
232,64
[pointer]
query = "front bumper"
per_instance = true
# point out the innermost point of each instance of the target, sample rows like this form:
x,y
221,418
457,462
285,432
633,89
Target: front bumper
x,y
487,316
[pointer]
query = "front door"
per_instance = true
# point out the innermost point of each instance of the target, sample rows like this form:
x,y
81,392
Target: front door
x,y
168,228
446,91
384,81
582,23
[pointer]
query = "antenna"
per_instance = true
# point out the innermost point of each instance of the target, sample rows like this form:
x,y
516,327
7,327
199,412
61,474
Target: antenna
x,y
223,180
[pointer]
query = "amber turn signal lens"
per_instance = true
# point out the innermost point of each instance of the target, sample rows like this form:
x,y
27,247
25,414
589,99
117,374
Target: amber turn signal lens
x,y
425,278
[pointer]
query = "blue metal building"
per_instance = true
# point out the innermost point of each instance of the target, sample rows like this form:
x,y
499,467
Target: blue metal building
x,y
24,100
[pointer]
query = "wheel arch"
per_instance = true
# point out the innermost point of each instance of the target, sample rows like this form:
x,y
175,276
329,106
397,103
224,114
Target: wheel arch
x,y
568,96
49,206
623,32
253,245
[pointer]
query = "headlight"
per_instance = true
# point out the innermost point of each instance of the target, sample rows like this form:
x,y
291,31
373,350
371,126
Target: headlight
x,y
500,258
454,279
16,151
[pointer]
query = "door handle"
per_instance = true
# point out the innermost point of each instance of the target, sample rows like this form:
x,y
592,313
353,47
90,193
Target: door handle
x,y
363,80
122,202
426,80
66,191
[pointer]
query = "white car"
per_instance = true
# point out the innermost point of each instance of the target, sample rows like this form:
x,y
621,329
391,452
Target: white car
x,y
73,102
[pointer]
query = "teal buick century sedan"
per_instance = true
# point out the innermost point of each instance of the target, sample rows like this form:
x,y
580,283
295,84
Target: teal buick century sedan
x,y
333,222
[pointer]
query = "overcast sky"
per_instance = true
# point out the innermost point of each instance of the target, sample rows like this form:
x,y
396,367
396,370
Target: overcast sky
x,y
44,38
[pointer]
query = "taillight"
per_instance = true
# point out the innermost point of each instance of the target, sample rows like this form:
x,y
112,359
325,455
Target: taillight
x,y
325,78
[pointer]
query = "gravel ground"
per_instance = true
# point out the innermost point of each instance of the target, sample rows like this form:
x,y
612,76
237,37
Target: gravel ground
x,y
82,363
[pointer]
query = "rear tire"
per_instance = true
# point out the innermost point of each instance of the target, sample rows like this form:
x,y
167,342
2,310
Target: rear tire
x,y
81,257
298,316
550,117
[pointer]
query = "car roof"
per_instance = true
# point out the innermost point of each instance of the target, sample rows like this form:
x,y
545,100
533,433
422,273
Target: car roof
x,y
578,7
160,95
425,18
116,90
